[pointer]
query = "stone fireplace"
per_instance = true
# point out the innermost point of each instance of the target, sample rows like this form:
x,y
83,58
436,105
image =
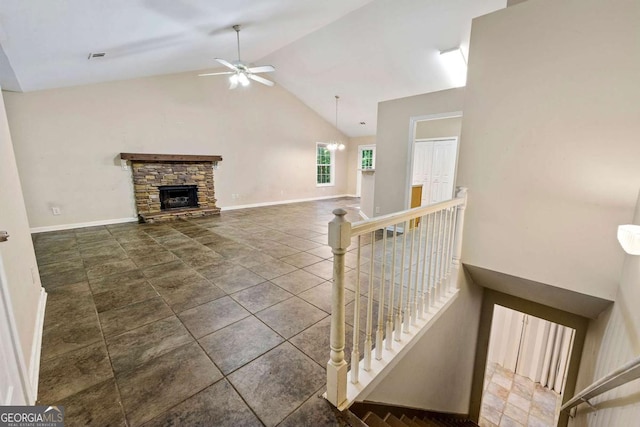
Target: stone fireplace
x,y
169,186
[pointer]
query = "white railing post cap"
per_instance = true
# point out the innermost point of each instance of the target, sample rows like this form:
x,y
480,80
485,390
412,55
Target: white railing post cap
x,y
339,230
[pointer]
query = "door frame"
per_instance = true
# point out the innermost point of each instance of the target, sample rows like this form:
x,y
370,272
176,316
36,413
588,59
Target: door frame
x,y
489,300
413,123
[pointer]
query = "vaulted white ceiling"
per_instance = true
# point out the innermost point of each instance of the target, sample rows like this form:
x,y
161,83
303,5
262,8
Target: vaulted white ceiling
x,y
365,51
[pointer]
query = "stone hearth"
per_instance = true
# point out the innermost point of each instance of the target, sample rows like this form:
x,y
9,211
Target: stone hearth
x,y
152,171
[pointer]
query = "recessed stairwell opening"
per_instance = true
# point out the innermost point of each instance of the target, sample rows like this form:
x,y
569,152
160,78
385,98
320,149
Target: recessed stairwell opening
x,y
570,331
526,370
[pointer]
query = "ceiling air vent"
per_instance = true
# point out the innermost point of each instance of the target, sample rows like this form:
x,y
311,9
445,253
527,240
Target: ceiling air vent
x,y
96,55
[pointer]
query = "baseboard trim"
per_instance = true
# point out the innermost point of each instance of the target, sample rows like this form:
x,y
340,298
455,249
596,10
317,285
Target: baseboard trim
x,y
282,202
61,227
363,216
36,347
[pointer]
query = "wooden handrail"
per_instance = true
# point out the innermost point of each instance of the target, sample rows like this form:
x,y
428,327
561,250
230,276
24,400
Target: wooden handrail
x,y
362,227
626,373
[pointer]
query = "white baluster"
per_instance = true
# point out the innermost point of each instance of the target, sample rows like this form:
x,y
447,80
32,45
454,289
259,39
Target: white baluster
x,y
355,353
446,260
368,343
452,230
436,260
414,299
407,309
398,330
383,280
443,225
339,240
430,282
424,292
389,345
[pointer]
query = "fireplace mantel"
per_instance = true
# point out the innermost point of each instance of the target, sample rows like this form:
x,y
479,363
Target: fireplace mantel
x,y
144,157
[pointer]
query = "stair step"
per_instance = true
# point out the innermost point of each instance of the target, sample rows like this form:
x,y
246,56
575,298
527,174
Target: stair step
x,y
394,421
408,421
421,423
450,422
372,420
439,423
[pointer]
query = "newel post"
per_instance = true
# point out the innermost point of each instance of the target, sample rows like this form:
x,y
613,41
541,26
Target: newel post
x,y
457,245
339,240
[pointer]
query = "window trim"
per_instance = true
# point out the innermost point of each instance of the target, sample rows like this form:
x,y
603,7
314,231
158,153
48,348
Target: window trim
x,y
332,166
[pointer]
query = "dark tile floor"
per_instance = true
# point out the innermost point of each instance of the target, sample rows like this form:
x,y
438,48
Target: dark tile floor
x,y
218,321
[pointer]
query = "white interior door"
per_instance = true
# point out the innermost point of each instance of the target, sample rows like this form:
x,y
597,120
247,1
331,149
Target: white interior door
x,y
22,298
531,347
422,164
434,164
444,164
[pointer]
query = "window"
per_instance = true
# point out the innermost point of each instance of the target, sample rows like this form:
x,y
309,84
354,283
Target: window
x,y
325,159
367,158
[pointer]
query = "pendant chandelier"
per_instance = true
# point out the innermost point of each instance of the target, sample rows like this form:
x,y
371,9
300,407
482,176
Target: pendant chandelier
x,y
336,145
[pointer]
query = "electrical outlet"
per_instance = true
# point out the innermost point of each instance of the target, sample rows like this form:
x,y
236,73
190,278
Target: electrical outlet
x,y
377,209
55,210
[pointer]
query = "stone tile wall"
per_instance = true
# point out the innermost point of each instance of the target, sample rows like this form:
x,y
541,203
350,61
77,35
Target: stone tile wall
x,y
148,176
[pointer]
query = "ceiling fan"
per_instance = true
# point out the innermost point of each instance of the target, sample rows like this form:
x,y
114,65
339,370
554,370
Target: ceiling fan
x,y
241,73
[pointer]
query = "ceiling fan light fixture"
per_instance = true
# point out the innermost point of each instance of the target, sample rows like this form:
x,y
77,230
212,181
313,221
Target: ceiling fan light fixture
x,y
243,79
456,65
240,73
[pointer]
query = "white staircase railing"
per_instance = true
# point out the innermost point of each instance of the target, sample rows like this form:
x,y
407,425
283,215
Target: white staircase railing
x,y
406,260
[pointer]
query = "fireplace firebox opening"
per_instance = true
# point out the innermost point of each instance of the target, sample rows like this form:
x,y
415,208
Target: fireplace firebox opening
x,y
178,196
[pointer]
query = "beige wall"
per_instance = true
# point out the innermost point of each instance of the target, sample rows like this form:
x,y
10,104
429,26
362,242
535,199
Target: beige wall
x,y
438,128
437,373
394,138
17,254
67,142
613,340
549,146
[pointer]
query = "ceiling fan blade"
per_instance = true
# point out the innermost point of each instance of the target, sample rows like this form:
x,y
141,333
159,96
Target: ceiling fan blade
x,y
262,69
226,63
261,80
216,74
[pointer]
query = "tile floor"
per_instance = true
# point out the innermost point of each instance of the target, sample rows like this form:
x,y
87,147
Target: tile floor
x,y
218,321
511,400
